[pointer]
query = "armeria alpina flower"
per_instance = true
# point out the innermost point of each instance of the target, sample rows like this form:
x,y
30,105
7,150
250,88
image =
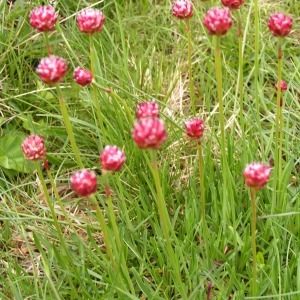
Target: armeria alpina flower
x,y
257,175
182,9
84,183
283,86
82,76
280,24
112,158
33,147
148,109
90,20
232,4
52,69
194,128
217,21
43,18
149,133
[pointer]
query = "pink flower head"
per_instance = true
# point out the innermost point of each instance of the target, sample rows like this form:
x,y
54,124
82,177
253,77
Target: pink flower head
x,y
43,18
90,20
217,21
112,158
232,4
149,133
84,183
257,175
194,128
82,76
52,69
283,86
182,9
33,147
280,24
148,109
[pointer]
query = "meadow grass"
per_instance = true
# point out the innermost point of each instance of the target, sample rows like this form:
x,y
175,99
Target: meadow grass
x,y
142,54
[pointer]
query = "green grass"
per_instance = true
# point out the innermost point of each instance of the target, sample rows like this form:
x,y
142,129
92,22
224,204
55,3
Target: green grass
x,y
142,54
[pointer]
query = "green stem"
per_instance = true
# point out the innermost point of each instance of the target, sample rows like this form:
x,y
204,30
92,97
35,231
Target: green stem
x,y
166,226
116,232
220,99
256,57
253,239
191,79
68,125
240,76
278,130
95,95
48,47
58,199
202,197
53,214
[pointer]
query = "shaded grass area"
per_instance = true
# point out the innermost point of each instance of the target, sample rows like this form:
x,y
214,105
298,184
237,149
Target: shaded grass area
x,y
142,54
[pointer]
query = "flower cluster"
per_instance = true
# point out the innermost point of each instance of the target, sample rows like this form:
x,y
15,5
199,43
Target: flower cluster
x,y
257,175
194,128
34,148
90,20
43,18
217,21
232,4
280,24
182,9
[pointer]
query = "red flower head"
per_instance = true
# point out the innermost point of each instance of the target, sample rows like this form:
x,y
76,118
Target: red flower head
x,y
90,20
82,76
112,158
280,24
149,133
182,9
43,18
257,175
148,109
33,147
283,86
52,69
84,183
194,128
217,21
232,4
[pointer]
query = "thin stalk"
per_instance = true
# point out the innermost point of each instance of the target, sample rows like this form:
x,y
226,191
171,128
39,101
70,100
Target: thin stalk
x,y
278,129
167,227
240,75
256,57
95,94
120,99
202,197
48,47
53,214
191,79
68,125
58,199
218,68
253,240
116,232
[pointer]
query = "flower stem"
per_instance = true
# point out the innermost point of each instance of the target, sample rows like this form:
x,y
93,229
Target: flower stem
x,y
53,214
116,232
202,196
220,99
166,226
68,125
278,130
253,239
95,94
48,47
240,75
191,79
